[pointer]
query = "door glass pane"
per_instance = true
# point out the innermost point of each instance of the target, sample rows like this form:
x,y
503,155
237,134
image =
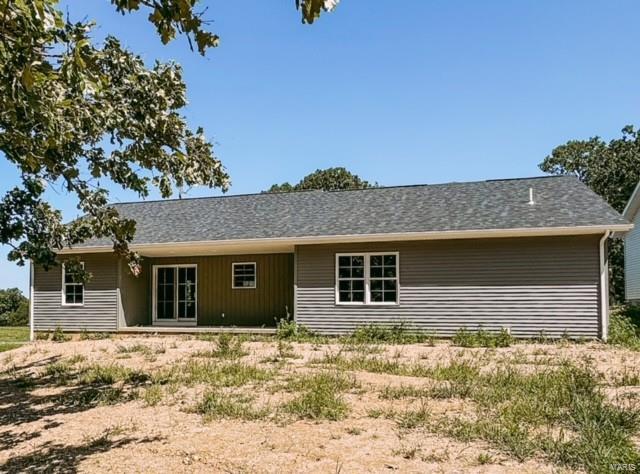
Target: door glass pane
x,y
187,292
165,291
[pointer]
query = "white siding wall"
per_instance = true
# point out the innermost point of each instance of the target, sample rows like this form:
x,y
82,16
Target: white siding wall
x,y
632,261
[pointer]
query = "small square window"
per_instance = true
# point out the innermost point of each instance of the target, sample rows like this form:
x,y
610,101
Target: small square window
x,y
244,275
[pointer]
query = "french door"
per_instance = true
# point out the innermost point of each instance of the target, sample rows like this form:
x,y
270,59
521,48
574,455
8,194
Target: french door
x,y
175,292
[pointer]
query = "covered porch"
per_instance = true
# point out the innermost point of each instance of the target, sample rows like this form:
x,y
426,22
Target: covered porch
x,y
215,289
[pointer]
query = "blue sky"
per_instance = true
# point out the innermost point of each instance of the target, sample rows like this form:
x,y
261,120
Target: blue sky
x,y
421,91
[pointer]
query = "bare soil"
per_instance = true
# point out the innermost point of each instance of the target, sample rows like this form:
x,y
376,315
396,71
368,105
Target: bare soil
x,y
39,433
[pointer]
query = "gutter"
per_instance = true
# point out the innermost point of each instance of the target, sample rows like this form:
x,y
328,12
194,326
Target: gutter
x,y
380,237
604,288
31,293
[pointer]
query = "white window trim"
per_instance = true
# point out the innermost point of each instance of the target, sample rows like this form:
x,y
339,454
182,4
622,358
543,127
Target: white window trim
x,y
64,288
155,301
255,275
367,279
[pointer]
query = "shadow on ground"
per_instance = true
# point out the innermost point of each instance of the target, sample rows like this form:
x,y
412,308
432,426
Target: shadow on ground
x,y
62,458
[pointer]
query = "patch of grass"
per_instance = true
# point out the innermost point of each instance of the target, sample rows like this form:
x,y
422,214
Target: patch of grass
x,y
396,334
627,379
321,396
60,336
14,333
217,405
93,336
289,330
403,391
42,335
12,337
560,412
482,338
484,458
207,372
8,346
97,374
152,395
353,430
624,326
91,396
226,346
414,417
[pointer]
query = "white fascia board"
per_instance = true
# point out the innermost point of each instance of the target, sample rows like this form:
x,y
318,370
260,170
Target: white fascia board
x,y
285,244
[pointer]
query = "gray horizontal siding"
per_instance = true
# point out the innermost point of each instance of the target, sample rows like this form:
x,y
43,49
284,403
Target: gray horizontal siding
x,y
527,285
632,261
100,310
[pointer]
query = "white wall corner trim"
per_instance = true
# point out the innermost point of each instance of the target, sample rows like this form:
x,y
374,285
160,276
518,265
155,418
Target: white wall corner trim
x,y
31,293
604,288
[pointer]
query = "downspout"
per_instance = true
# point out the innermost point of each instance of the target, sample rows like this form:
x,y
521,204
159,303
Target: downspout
x,y
31,323
604,288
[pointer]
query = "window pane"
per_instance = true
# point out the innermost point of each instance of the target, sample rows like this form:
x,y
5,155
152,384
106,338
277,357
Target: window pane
x,y
376,296
389,285
376,272
357,272
344,272
357,261
345,296
389,260
357,296
357,285
344,261
376,285
390,296
389,272
344,285
376,260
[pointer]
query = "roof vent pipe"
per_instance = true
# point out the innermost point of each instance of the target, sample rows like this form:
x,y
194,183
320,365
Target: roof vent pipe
x,y
531,201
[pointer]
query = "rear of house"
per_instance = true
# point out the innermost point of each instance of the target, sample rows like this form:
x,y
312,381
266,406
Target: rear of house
x,y
527,255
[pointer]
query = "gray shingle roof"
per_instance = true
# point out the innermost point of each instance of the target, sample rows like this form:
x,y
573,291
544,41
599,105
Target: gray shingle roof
x,y
483,205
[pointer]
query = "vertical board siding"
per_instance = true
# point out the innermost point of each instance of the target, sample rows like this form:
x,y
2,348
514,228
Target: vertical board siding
x,y
100,309
135,295
632,261
218,303
528,285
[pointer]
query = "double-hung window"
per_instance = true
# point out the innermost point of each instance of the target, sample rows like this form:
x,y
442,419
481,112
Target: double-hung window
x,y
367,278
72,287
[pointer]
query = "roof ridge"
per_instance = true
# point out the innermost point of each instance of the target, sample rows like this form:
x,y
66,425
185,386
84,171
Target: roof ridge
x,y
300,191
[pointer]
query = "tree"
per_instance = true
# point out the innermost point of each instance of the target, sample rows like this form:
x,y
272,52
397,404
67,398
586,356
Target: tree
x,y
327,180
14,307
612,170
62,97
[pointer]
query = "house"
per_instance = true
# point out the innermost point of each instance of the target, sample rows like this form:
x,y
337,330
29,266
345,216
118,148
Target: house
x,y
632,249
527,255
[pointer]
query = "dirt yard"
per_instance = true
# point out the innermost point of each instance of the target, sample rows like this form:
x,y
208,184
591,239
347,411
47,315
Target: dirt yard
x,y
181,404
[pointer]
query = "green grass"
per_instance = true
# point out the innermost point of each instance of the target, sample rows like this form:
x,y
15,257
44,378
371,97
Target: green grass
x,y
216,405
624,326
14,334
482,338
152,395
560,413
225,346
12,337
321,396
222,375
396,334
